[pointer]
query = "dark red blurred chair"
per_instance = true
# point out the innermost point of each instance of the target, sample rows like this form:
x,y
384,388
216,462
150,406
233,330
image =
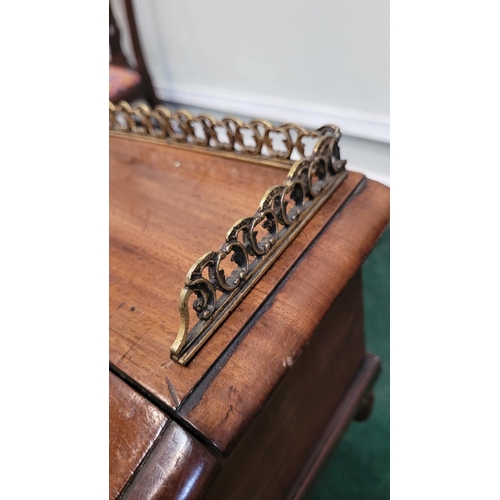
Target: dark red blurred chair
x,y
125,82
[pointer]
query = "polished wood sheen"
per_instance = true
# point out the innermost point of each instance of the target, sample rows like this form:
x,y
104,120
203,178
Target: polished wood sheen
x,y
179,468
224,404
163,217
134,424
269,395
300,407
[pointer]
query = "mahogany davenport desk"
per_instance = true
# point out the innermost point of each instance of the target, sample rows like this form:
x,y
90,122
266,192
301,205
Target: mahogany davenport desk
x,y
268,368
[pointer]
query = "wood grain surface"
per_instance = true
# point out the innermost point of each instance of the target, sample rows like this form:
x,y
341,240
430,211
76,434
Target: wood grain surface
x,y
283,361
168,207
232,394
134,424
292,421
179,468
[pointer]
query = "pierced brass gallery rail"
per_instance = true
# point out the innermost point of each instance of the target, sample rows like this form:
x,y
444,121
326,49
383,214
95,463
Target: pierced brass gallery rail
x,y
229,136
282,213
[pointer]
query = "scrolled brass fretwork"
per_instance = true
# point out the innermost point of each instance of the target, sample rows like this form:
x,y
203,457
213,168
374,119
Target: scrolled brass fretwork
x,y
257,137
282,212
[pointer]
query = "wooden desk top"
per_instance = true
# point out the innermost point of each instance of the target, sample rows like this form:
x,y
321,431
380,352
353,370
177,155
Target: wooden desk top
x,y
163,217
168,206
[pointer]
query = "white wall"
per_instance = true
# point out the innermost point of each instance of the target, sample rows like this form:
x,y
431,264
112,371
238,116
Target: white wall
x,y
310,62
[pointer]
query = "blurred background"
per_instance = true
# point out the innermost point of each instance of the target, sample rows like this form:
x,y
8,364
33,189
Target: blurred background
x,y
310,63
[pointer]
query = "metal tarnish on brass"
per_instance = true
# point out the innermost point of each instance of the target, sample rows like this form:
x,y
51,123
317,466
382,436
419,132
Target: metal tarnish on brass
x,y
254,243
229,136
282,213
